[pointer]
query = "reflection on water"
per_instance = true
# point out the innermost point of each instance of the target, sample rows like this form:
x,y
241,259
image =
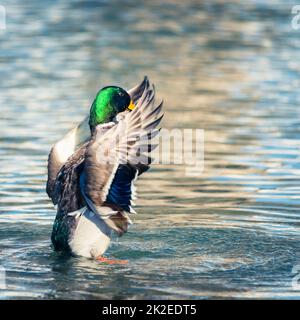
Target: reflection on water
x,y
231,69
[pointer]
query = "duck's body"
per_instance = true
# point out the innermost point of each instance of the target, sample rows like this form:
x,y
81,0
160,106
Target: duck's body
x,y
94,197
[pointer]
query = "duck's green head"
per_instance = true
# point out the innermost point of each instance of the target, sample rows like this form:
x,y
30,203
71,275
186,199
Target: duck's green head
x,y
108,103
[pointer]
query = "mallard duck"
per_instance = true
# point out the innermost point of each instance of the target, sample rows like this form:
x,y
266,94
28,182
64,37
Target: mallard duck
x,y
92,169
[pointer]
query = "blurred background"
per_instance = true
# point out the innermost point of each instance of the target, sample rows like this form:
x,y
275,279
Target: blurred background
x,y
231,68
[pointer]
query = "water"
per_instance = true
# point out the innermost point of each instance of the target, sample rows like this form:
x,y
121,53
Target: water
x,y
229,68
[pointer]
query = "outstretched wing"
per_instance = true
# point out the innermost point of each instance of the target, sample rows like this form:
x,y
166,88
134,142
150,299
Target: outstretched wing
x,y
73,140
114,159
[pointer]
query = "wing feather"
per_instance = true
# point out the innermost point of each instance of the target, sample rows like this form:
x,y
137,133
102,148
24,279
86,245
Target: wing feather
x,y
114,160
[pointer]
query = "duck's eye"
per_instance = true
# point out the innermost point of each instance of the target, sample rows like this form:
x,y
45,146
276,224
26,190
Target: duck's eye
x,y
121,94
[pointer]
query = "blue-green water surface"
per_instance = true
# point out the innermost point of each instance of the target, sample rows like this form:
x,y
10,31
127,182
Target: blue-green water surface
x,y
231,68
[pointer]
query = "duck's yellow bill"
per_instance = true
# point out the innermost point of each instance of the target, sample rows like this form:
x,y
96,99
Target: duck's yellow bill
x,y
131,106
